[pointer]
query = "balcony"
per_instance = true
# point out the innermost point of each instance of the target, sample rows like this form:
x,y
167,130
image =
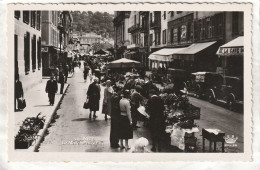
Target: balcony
x,y
155,24
134,28
144,28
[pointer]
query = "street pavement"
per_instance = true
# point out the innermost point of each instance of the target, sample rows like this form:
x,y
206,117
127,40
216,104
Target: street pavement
x,y
37,102
72,131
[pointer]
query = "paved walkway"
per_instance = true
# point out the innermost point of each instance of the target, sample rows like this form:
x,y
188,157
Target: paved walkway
x,y
37,102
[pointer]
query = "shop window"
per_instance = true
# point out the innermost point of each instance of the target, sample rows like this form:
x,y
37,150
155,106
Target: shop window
x,y
164,15
26,17
27,52
164,36
16,54
157,38
188,32
38,24
179,12
17,14
183,32
33,18
179,35
235,23
175,35
34,53
151,39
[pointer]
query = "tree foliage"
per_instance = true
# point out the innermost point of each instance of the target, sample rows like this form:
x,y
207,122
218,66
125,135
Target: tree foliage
x,y
98,22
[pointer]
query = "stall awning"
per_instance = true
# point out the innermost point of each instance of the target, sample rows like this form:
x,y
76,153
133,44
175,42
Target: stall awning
x,y
232,48
189,52
164,54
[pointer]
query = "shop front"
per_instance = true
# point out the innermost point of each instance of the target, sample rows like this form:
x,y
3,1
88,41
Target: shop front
x,y
50,59
197,57
231,56
162,58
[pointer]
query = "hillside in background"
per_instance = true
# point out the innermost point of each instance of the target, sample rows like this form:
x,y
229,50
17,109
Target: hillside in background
x,y
98,22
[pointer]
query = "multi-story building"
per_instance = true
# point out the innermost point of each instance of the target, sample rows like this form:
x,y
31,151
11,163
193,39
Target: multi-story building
x,y
121,25
66,36
56,35
201,33
184,39
50,40
27,47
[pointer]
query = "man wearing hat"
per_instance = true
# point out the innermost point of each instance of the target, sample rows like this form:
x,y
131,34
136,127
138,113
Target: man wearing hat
x,y
51,89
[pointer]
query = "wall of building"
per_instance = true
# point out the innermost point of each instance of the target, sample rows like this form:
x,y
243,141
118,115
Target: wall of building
x,y
32,77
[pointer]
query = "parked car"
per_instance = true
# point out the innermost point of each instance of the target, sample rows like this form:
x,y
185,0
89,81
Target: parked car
x,y
229,92
201,82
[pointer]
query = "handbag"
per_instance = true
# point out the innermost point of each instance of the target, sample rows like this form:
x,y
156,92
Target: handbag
x,y
21,103
86,104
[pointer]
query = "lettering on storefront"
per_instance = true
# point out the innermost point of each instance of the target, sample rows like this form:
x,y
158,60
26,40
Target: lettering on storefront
x,y
232,51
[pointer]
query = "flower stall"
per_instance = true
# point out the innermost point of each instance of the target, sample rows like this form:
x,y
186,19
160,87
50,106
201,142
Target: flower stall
x,y
180,115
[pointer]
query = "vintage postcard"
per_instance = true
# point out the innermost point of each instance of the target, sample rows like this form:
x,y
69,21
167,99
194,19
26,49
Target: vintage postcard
x,y
130,82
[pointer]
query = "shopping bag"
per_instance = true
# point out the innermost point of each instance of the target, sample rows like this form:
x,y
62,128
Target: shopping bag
x,y
21,103
86,104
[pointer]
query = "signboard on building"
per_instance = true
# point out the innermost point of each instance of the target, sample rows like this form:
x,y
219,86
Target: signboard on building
x,y
231,51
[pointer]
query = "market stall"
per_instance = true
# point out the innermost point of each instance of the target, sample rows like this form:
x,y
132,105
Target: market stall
x,y
180,127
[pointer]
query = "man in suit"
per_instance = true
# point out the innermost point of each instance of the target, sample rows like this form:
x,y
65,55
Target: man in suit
x,y
51,89
18,91
66,73
61,81
155,107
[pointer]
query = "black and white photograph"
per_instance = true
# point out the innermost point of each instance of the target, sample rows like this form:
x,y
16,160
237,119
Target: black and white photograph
x,y
119,81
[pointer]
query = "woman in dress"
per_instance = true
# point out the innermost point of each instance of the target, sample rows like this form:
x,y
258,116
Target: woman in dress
x,y
108,91
125,127
93,95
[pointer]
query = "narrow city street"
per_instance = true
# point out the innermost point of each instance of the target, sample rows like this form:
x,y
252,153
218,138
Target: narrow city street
x,y
73,125
72,131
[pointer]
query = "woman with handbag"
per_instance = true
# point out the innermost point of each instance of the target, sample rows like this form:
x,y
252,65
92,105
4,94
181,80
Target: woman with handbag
x,y
108,92
93,95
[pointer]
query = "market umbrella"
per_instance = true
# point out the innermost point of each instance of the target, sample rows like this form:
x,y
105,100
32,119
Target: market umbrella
x,y
124,63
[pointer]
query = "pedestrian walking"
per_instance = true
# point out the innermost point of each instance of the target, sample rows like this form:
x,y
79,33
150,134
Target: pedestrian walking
x,y
66,73
125,125
18,92
56,73
108,91
93,94
136,100
115,120
155,107
86,71
51,89
61,81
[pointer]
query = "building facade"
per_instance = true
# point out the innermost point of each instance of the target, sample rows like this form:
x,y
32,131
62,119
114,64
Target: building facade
x,y
196,36
50,41
121,39
27,47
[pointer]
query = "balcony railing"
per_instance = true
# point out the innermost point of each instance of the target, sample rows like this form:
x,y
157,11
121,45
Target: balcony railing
x,y
155,24
143,28
134,28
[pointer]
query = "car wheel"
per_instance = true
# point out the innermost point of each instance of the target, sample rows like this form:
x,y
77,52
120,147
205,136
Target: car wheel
x,y
197,94
230,104
211,98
